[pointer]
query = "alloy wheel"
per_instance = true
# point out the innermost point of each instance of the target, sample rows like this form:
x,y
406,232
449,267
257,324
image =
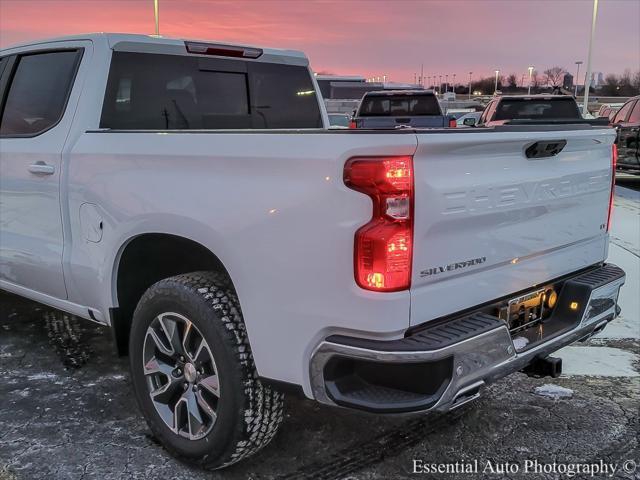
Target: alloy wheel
x,y
181,375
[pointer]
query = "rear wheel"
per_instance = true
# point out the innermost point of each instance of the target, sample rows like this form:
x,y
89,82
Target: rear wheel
x,y
193,372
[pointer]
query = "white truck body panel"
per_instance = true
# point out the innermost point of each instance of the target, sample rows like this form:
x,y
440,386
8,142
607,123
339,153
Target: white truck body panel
x,y
273,208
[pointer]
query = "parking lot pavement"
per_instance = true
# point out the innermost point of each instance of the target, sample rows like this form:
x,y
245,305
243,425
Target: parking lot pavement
x,y
67,409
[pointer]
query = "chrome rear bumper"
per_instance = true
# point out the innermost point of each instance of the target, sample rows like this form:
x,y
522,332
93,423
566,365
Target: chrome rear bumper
x,y
343,369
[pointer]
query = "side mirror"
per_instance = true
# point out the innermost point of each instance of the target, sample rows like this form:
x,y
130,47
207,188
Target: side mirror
x,y
469,122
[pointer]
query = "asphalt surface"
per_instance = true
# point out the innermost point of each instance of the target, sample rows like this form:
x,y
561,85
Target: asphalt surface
x,y
67,410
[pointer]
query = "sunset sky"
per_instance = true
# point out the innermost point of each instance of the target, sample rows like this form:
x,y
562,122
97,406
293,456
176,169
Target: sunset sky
x,y
367,37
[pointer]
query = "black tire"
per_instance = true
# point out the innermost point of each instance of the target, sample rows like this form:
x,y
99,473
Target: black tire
x,y
248,412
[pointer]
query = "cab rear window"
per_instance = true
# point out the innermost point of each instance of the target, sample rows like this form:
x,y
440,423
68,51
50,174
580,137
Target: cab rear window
x,y
402,105
517,108
177,92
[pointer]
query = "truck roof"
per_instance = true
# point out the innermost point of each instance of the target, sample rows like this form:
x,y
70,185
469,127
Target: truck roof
x,y
114,40
388,93
541,96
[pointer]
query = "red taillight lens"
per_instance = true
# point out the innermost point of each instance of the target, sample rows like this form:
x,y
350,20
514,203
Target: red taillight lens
x,y
452,123
383,248
614,164
352,124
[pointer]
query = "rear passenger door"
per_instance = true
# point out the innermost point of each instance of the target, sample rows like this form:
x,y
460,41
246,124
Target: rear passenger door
x,y
37,107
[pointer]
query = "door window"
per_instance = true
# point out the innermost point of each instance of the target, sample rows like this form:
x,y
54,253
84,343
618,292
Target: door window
x,y
38,92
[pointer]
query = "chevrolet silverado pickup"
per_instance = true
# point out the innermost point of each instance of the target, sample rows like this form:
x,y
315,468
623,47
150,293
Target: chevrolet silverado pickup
x,y
191,196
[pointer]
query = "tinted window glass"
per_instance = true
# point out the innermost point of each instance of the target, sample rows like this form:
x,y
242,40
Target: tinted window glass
x,y
536,109
282,96
402,105
624,111
338,120
38,92
3,61
160,92
635,114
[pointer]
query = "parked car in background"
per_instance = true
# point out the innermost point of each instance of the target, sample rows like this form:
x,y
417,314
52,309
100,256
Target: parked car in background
x,y
608,110
468,119
627,124
339,120
604,112
503,109
400,108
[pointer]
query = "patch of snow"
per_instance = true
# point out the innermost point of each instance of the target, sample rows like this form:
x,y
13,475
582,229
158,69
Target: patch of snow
x,y
23,393
520,342
597,361
42,376
553,391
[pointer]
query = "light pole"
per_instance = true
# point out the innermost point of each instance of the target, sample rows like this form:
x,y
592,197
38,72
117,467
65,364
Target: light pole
x,y
454,83
578,63
495,90
530,75
440,85
446,83
156,14
470,73
587,80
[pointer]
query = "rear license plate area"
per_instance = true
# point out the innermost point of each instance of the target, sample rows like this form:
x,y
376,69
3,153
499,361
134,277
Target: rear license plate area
x,y
524,311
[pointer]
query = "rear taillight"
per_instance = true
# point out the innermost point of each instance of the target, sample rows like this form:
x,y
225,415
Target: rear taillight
x,y
383,248
614,164
452,123
352,124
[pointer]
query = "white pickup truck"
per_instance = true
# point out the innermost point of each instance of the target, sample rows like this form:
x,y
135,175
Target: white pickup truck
x,y
191,196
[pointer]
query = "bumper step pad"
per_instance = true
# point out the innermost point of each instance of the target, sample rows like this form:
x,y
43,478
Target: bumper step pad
x,y
433,337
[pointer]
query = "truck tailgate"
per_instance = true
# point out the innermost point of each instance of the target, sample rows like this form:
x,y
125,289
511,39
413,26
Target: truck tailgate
x,y
490,222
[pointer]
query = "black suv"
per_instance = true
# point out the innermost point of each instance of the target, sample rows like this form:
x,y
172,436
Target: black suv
x,y
627,123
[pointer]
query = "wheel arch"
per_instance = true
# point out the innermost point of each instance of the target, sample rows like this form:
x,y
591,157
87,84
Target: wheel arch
x,y
146,258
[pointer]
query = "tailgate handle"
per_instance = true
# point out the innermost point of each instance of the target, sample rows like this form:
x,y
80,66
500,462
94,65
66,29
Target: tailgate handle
x,y
548,148
403,120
